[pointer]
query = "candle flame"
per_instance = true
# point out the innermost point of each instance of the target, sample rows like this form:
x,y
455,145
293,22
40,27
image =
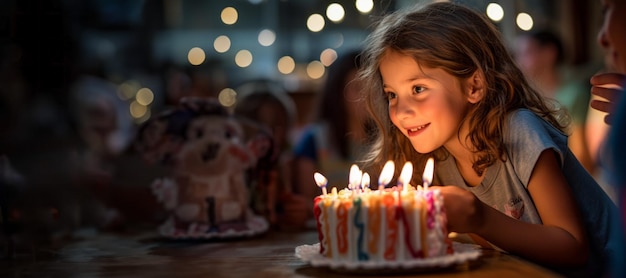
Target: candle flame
x,y
406,174
365,181
387,173
427,176
355,177
320,180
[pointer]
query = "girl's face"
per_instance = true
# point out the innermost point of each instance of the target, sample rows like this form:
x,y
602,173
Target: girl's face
x,y
612,35
426,104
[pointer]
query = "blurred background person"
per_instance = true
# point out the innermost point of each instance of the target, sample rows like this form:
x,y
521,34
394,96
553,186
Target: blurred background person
x,y
106,130
337,134
541,56
265,105
102,119
607,87
177,84
610,87
597,128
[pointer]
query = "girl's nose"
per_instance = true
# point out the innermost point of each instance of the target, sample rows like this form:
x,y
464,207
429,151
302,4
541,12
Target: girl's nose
x,y
405,108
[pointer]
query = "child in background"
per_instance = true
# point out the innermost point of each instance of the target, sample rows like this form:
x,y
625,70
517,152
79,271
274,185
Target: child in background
x,y
441,83
541,57
264,104
337,135
612,38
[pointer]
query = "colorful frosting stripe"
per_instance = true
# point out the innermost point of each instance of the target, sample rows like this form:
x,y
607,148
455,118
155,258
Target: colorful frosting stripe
x,y
342,229
430,208
373,225
317,211
326,227
391,228
401,216
422,226
358,222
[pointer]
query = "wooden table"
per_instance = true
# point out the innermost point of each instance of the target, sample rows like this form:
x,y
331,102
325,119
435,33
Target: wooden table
x,y
268,255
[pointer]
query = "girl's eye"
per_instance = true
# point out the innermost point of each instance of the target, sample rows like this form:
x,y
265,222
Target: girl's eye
x,y
418,89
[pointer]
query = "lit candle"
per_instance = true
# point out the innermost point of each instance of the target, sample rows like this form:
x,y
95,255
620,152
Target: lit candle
x,y
405,175
365,181
427,176
355,177
386,175
359,181
321,182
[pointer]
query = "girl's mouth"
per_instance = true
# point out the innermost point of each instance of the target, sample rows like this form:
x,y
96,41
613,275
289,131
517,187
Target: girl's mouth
x,y
416,130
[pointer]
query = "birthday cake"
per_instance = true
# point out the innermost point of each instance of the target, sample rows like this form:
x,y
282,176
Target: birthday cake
x,y
401,223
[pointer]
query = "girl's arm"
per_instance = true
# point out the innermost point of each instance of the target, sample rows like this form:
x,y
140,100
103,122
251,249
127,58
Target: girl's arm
x,y
561,240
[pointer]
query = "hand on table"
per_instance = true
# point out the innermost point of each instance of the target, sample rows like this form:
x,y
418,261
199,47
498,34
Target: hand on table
x,y
608,86
463,209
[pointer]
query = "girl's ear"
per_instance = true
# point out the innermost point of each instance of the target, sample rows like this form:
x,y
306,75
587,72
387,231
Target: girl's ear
x,y
475,87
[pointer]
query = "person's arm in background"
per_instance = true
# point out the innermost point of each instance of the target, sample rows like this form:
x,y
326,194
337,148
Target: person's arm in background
x,y
304,166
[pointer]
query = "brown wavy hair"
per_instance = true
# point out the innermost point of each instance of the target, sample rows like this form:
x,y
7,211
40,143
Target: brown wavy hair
x,y
460,41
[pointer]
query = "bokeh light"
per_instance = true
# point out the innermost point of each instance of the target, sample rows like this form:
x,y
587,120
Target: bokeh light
x,y
524,21
266,37
328,56
221,44
137,110
315,69
128,89
335,12
243,58
315,23
229,15
364,6
227,97
196,56
286,65
495,12
144,96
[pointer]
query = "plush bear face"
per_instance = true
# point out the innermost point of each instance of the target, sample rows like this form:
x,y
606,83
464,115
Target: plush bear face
x,y
213,146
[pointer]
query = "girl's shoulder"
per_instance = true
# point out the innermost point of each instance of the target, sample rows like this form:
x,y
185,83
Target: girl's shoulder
x,y
526,131
525,119
522,114
520,120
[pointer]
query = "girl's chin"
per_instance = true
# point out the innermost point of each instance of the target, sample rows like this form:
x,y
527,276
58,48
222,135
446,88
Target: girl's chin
x,y
422,149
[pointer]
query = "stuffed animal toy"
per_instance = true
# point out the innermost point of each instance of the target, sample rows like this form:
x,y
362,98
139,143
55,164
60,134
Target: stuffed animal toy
x,y
204,147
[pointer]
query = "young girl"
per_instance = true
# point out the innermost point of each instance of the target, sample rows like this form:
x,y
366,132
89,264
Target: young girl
x,y
441,83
